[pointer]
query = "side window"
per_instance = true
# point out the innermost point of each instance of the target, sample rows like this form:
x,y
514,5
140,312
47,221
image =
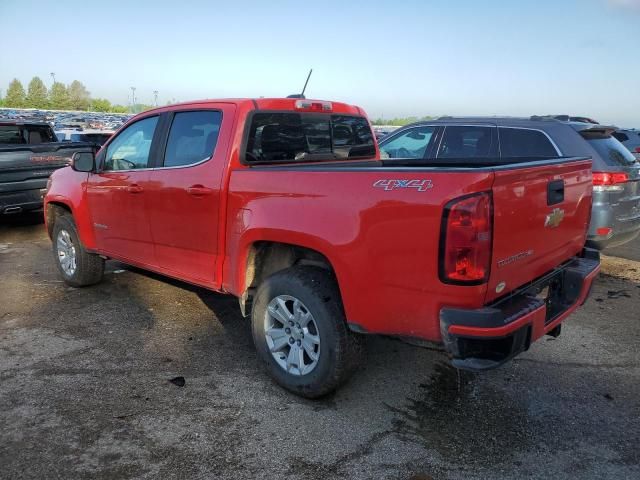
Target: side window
x,y
518,142
622,137
466,142
192,137
412,143
130,149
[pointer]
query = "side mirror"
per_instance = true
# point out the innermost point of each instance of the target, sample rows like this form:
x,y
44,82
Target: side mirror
x,y
83,161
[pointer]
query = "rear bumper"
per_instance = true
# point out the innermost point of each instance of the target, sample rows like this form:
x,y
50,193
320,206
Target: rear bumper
x,y
622,216
490,336
22,200
615,239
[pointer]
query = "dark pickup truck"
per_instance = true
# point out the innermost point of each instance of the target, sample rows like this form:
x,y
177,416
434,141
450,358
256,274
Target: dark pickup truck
x,y
29,153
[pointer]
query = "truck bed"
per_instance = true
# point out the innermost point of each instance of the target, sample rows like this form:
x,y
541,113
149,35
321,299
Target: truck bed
x,y
379,224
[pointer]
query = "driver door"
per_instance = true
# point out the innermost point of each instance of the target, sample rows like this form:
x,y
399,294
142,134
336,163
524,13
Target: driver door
x,y
116,194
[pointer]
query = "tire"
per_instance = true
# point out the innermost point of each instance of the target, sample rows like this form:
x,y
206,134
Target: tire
x,y
321,318
87,269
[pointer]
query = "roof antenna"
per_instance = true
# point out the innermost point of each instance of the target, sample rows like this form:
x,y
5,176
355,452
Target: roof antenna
x,y
301,95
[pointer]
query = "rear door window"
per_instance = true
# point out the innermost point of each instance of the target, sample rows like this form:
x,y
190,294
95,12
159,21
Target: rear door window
x,y
412,143
192,138
612,151
466,142
521,142
288,136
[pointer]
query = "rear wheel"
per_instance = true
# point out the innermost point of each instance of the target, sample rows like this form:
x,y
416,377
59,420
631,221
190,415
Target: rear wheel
x,y
78,267
300,332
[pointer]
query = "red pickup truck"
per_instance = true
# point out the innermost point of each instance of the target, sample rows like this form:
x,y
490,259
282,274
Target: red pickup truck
x,y
285,204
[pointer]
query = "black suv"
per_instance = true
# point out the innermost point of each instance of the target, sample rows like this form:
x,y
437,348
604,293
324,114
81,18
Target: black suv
x,y
466,140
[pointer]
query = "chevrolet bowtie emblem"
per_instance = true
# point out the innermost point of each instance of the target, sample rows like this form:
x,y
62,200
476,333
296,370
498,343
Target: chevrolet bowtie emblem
x,y
554,218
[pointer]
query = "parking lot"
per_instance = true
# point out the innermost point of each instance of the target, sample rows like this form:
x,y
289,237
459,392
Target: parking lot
x,y
85,389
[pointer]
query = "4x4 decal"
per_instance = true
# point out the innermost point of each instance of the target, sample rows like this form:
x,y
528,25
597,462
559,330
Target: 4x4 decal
x,y
420,185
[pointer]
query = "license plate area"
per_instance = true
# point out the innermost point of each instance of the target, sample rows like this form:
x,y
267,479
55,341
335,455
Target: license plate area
x,y
551,292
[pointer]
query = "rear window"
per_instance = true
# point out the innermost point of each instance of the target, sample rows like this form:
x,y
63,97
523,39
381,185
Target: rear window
x,y
35,134
289,136
466,142
519,142
612,151
26,135
10,134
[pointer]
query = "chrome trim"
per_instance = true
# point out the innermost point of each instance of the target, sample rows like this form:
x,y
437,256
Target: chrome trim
x,y
159,168
185,166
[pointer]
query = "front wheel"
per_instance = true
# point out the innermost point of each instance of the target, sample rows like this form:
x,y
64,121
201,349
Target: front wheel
x,y
77,267
300,332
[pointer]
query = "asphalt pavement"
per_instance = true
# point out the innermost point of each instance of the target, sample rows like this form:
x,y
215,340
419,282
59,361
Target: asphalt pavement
x,y
142,377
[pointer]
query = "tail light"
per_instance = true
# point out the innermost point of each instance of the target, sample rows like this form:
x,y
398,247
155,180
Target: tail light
x,y
465,244
609,182
637,150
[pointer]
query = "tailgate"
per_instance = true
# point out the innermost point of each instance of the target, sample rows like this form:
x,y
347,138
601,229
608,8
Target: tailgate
x,y
46,155
30,162
541,215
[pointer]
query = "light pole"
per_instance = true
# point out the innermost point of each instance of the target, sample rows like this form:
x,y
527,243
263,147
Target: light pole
x,y
155,97
133,99
53,75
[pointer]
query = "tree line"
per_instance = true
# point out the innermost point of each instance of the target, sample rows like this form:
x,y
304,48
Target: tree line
x,y
399,122
74,96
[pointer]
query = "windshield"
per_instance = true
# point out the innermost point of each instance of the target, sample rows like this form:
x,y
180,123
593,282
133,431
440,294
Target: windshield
x,y
612,151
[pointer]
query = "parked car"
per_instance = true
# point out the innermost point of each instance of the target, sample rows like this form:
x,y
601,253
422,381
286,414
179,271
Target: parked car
x,y
616,179
283,203
630,138
98,137
29,152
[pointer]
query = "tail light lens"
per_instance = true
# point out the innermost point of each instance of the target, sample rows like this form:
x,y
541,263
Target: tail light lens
x,y
465,245
609,182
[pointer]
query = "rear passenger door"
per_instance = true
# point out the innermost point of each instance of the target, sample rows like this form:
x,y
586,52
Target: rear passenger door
x,y
185,192
466,142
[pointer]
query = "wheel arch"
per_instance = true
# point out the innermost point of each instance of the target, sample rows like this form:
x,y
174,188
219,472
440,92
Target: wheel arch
x,y
61,206
53,210
266,257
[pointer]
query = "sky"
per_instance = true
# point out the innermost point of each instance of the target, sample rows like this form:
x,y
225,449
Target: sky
x,y
393,58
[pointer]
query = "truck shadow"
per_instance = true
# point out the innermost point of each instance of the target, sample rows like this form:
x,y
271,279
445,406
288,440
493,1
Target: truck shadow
x,y
22,219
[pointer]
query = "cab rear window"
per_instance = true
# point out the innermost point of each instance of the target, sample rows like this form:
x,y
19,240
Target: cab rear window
x,y
26,135
297,137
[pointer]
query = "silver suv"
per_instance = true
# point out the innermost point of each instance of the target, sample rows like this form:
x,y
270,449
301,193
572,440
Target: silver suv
x,y
465,141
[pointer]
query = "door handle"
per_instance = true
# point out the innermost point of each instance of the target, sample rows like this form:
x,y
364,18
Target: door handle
x,y
555,192
134,188
199,190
